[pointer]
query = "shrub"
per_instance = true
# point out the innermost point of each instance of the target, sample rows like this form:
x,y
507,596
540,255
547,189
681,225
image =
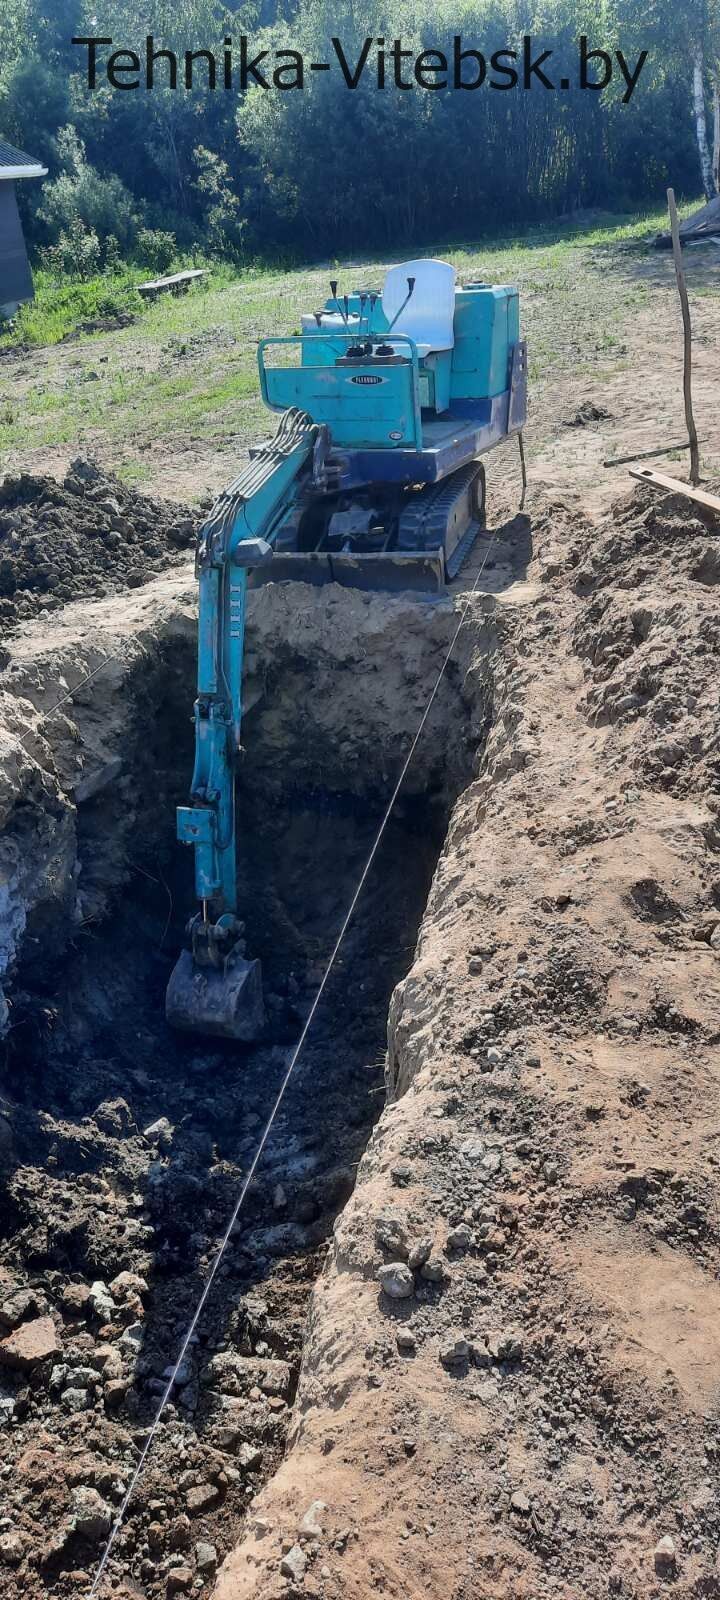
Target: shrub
x,y
102,204
224,222
76,254
112,258
155,249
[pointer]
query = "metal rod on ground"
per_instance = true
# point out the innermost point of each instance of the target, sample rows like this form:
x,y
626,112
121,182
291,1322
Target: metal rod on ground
x,y
645,455
523,468
687,339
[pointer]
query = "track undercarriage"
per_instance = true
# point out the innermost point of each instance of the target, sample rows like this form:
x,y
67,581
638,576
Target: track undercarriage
x,y
382,536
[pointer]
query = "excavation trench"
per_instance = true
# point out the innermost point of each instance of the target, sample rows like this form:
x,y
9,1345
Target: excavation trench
x,y
124,1145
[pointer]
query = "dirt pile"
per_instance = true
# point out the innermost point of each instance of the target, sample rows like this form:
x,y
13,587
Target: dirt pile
x,y
87,536
649,638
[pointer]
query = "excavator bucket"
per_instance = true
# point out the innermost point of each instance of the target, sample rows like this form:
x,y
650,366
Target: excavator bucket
x,y
226,1001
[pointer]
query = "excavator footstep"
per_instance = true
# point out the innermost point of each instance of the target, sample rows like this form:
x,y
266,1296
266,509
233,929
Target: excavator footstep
x,y
226,1002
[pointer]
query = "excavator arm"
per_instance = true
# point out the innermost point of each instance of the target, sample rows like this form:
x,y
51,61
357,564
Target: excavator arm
x,y
213,988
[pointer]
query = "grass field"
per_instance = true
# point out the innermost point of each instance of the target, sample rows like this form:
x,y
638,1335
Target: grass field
x,y
181,377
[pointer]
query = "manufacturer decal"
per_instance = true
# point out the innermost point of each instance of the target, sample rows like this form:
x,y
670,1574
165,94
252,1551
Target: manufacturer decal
x,y
366,378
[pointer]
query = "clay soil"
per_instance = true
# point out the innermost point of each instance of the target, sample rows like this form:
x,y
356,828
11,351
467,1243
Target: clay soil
x,y
466,1341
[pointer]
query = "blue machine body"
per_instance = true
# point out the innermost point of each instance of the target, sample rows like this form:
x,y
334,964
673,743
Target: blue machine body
x,y
377,449
417,404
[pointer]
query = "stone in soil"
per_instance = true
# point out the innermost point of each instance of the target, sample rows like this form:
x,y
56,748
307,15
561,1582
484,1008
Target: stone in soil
x,y
396,1280
664,1555
205,1557
455,1351
294,1563
30,1344
92,1516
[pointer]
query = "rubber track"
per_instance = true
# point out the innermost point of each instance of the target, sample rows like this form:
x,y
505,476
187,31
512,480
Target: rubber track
x,y
424,522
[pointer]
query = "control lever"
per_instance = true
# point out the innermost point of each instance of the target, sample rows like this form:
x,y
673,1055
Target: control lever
x,y
399,312
373,298
334,293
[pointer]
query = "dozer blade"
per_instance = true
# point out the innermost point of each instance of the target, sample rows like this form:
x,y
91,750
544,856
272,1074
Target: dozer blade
x,y
226,1002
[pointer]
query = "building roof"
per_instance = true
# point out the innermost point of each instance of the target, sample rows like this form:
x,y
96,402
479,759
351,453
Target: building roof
x,y
16,164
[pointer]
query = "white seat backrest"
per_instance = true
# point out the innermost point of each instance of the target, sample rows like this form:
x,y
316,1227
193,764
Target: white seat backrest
x,y
429,314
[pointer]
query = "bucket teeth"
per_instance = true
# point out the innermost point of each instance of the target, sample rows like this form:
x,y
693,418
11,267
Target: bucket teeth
x,y
225,1001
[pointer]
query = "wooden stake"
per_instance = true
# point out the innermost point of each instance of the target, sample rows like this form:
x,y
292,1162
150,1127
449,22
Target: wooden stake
x,y
687,339
523,469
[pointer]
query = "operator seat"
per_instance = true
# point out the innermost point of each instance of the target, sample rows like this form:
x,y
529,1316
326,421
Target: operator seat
x,y
428,316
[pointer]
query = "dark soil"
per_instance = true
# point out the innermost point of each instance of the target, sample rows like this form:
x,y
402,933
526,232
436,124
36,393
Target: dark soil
x,y
109,1228
87,536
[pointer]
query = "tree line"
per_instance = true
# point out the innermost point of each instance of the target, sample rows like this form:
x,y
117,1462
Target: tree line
x,y
323,169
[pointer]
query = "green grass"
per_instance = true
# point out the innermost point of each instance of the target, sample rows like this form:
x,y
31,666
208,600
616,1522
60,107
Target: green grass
x,y
65,308
61,309
135,473
185,368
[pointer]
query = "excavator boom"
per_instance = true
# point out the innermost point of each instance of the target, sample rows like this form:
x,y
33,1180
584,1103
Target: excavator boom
x,y
213,988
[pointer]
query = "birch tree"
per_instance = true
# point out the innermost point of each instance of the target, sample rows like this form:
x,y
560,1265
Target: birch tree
x,y
703,36
698,90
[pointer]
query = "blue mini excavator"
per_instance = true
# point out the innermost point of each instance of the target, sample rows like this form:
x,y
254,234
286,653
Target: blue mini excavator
x,y
388,399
